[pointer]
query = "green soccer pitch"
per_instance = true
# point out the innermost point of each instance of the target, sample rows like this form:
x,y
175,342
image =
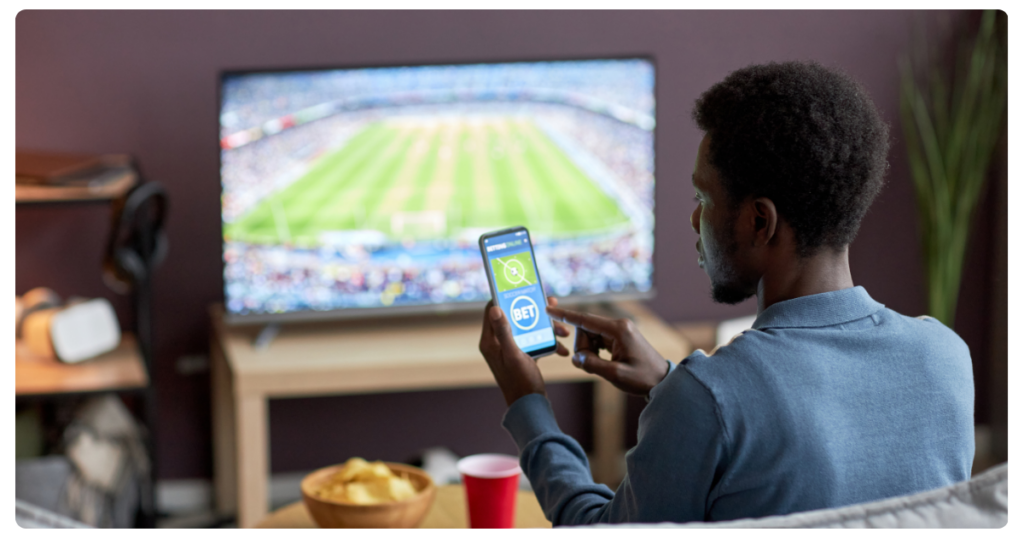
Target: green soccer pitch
x,y
431,178
513,271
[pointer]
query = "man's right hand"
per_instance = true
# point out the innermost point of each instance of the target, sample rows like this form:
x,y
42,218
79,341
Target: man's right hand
x,y
635,367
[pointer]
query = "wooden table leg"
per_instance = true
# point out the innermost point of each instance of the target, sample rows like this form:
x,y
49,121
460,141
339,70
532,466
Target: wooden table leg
x,y
608,464
253,463
224,461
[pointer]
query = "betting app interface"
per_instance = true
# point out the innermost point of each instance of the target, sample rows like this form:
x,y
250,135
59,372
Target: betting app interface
x,y
518,289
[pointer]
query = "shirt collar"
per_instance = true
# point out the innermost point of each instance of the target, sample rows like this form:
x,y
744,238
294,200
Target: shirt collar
x,y
819,310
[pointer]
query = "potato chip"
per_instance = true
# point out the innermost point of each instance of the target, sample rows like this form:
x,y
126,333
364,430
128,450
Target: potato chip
x,y
362,482
351,469
400,488
370,472
359,493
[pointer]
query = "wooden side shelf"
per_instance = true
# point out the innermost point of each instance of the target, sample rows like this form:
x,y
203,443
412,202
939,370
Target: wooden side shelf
x,y
119,369
78,193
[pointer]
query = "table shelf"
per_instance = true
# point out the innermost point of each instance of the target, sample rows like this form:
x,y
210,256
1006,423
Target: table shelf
x,y
99,192
119,369
373,356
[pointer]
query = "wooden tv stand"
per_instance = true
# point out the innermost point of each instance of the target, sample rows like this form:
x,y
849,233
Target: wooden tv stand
x,y
367,356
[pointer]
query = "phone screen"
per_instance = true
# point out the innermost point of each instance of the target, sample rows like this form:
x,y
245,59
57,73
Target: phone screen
x,y
515,284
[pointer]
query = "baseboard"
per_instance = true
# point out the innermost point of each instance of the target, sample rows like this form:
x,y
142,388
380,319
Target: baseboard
x,y
186,496
176,497
284,488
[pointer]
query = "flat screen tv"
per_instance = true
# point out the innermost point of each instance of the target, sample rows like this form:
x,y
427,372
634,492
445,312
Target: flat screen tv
x,y
363,191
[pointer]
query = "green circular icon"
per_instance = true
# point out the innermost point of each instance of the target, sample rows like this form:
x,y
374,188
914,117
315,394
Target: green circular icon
x,y
515,273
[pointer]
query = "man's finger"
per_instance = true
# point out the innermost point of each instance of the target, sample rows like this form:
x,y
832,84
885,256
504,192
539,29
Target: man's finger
x,y
590,322
560,328
592,364
561,350
583,342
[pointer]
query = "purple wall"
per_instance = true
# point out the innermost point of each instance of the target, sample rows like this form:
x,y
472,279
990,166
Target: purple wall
x,y
145,83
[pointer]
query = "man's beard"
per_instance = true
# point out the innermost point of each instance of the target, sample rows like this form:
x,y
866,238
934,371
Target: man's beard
x,y
728,293
729,286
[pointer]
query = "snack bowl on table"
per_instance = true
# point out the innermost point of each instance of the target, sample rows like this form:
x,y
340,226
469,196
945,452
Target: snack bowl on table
x,y
403,514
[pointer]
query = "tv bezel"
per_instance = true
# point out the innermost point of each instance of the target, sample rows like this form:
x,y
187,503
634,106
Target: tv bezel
x,y
427,309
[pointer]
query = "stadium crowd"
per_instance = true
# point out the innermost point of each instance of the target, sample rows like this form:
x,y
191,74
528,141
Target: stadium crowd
x,y
274,279
252,99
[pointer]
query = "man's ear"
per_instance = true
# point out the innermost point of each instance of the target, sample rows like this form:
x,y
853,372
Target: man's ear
x,y
766,220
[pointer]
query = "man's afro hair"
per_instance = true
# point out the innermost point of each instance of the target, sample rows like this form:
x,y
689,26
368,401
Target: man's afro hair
x,y
804,136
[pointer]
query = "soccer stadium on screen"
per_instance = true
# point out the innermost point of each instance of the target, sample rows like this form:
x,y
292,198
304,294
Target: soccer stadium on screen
x,y
368,188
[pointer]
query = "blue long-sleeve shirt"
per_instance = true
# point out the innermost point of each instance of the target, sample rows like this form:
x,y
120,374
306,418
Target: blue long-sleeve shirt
x,y
829,400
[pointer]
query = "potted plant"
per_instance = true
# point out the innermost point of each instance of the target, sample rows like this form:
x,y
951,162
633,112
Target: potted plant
x,y
952,118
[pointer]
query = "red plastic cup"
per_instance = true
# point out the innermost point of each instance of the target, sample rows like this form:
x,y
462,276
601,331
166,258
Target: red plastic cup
x,y
491,481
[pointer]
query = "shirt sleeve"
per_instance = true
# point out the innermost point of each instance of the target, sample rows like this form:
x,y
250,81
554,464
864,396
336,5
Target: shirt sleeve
x,y
680,454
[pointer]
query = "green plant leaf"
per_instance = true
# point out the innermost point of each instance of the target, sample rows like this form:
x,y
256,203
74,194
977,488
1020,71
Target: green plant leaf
x,y
951,136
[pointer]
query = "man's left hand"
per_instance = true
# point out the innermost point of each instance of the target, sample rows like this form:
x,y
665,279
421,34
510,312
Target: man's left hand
x,y
515,371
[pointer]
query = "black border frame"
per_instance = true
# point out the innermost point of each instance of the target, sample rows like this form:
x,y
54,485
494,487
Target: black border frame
x,y
428,308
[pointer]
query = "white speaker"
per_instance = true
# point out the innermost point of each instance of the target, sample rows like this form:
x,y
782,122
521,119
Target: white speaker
x,y
72,333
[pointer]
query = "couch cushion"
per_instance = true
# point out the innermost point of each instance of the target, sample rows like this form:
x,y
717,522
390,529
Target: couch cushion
x,y
976,503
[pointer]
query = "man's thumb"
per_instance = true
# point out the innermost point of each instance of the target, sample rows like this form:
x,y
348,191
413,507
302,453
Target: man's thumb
x,y
592,364
500,327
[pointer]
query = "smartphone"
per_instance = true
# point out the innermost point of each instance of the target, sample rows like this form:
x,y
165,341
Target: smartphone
x,y
516,288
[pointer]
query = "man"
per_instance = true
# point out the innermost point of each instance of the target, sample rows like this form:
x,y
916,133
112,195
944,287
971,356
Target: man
x,y
831,399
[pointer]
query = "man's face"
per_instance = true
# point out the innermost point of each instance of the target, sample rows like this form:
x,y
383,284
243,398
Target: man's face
x,y
714,220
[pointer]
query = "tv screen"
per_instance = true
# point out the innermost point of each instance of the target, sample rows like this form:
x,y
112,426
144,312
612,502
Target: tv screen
x,y
364,190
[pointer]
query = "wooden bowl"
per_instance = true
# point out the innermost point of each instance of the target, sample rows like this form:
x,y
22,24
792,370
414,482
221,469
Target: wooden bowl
x,y
404,514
